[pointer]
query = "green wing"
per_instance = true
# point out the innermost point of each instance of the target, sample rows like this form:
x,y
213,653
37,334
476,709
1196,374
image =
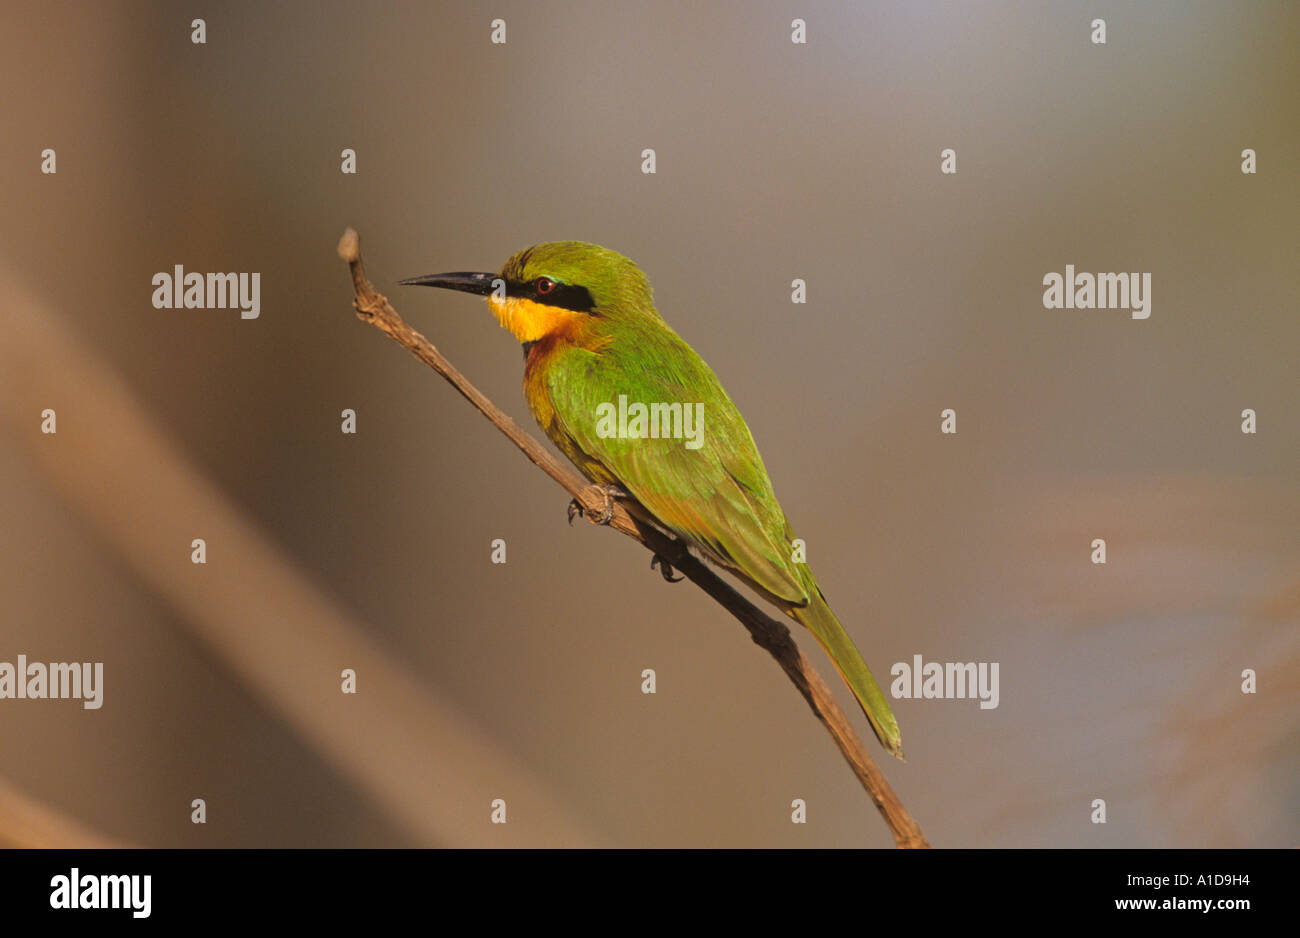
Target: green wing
x,y
718,496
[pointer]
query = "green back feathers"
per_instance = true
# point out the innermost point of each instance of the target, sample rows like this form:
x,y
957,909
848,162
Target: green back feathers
x,y
717,496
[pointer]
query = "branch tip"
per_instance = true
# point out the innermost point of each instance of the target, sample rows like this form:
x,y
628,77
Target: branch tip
x,y
350,246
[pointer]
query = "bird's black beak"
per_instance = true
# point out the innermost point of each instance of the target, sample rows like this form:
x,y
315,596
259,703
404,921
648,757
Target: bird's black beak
x,y
480,284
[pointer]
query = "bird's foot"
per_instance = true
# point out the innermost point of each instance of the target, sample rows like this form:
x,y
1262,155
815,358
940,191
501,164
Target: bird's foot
x,y
665,569
610,493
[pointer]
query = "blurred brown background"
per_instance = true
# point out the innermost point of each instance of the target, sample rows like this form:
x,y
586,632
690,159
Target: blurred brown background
x,y
775,161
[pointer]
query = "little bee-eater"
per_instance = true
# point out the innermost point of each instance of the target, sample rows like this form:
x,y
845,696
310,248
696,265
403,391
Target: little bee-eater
x,y
592,337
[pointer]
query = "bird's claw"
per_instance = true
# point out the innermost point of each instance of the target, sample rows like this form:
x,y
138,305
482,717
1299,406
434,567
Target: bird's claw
x,y
665,569
611,492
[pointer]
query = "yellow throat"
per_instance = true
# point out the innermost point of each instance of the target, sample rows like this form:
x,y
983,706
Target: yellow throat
x,y
528,320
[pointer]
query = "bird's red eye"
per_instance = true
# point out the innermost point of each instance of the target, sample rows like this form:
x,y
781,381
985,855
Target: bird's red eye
x,y
545,285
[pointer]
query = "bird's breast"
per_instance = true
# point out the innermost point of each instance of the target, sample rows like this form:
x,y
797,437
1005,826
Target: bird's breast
x,y
543,355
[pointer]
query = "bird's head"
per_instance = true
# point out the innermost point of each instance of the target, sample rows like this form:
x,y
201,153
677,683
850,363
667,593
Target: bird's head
x,y
556,288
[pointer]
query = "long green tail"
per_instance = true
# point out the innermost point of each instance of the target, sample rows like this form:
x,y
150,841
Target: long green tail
x,y
818,619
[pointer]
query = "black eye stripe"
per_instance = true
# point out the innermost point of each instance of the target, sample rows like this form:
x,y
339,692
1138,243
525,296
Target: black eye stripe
x,y
563,295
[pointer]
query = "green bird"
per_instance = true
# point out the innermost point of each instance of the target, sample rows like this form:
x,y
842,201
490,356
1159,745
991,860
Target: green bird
x,y
636,410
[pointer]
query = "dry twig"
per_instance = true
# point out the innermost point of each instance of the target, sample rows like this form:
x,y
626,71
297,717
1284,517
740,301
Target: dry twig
x,y
374,308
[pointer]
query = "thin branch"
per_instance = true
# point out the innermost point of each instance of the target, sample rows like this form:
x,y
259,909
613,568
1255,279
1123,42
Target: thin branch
x,y
373,307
